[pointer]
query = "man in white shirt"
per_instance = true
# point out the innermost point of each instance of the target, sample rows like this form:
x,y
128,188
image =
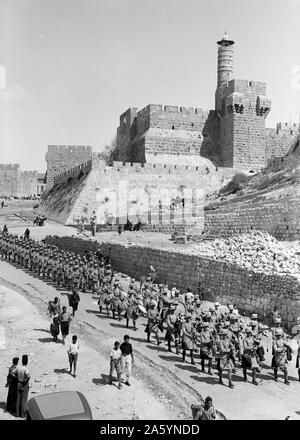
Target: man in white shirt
x,y
115,363
73,351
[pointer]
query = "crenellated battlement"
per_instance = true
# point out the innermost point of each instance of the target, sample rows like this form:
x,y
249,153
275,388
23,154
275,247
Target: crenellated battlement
x,y
68,148
244,85
29,174
73,172
171,109
119,167
63,158
9,167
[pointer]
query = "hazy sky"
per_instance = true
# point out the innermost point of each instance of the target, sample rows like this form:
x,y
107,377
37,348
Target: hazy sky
x,y
73,66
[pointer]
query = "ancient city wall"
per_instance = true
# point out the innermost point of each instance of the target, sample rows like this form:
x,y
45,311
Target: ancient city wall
x,y
158,129
14,182
96,189
61,158
250,291
28,182
9,179
279,140
280,218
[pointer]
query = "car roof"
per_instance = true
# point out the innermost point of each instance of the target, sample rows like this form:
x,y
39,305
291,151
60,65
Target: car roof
x,y
59,405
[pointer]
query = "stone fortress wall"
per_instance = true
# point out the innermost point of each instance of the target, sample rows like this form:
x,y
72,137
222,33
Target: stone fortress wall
x,y
235,136
178,147
232,135
14,181
146,187
61,158
280,218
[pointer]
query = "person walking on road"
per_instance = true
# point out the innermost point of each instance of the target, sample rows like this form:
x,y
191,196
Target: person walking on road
x,y
55,326
74,301
127,358
73,351
116,363
65,320
23,377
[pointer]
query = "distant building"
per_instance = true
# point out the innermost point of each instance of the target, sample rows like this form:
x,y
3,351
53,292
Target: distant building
x,y
15,182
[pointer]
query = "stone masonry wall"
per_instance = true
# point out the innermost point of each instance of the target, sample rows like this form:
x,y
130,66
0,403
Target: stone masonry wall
x,y
243,107
62,158
252,292
9,179
223,282
96,189
280,140
29,182
14,181
157,129
280,218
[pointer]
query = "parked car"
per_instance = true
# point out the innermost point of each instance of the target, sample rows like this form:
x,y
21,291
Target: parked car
x,y
63,405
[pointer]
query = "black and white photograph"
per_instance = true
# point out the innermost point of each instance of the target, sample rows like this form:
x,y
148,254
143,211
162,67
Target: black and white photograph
x,y
149,213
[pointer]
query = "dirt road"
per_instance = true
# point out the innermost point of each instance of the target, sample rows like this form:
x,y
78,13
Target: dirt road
x,y
26,330
163,386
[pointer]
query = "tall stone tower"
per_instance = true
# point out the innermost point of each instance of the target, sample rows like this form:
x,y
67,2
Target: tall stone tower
x,y
242,107
225,60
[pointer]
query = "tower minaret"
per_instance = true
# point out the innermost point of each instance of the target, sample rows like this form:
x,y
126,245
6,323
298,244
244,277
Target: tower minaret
x,y
225,60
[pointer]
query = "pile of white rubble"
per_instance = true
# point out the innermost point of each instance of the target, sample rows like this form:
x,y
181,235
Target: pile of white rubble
x,y
257,251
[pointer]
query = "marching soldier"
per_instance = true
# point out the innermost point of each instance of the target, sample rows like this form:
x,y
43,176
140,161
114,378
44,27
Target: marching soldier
x,y
256,332
153,323
206,347
188,338
280,357
131,310
249,356
172,333
277,325
225,357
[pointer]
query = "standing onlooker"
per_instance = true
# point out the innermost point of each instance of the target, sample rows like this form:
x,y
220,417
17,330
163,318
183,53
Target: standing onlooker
x,y
73,351
23,377
298,359
12,384
115,363
74,300
127,358
27,234
2,204
5,230
65,319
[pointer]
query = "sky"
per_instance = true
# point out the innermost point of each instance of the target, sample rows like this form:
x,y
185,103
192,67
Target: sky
x,y
69,68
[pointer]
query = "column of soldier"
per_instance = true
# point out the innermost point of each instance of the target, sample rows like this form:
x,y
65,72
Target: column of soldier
x,y
221,336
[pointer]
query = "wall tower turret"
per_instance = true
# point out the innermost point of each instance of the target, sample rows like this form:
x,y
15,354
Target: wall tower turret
x,y
225,60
